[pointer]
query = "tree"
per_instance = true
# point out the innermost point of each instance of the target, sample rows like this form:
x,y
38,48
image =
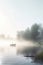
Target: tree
x,y
20,34
35,31
33,34
27,34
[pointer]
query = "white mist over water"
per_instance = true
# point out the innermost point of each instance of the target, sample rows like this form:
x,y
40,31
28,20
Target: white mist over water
x,y
8,54
6,50
5,47
5,42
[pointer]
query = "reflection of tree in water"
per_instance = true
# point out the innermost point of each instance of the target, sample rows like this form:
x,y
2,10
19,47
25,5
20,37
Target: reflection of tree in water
x,y
31,51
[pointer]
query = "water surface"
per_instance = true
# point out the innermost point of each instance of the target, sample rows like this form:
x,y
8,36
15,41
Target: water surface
x,y
8,56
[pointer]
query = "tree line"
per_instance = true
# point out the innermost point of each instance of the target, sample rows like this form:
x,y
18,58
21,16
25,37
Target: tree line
x,y
35,33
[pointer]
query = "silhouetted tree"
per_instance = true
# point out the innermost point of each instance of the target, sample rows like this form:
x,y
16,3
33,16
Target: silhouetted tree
x,y
20,34
27,34
35,32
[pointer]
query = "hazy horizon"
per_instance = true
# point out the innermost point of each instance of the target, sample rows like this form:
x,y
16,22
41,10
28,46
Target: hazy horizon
x,y
19,14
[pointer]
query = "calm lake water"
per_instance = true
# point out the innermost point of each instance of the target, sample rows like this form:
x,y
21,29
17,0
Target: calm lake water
x,y
8,56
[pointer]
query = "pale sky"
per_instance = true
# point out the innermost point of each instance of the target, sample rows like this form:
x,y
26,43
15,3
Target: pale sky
x,y
19,14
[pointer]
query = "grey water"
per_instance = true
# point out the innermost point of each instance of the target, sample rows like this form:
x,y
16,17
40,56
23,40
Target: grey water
x,y
8,56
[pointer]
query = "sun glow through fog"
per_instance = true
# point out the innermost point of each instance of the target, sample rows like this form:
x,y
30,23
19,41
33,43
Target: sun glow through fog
x,y
6,26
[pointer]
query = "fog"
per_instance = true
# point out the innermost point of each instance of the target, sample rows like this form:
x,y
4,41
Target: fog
x,y
20,45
